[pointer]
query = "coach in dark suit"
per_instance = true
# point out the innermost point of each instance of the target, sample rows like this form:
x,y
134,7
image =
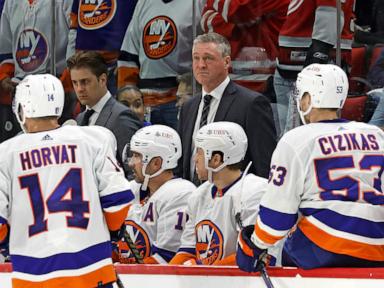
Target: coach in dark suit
x,y
224,100
88,72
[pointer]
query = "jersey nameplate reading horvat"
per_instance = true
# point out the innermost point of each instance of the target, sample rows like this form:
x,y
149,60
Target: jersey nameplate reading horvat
x,y
45,156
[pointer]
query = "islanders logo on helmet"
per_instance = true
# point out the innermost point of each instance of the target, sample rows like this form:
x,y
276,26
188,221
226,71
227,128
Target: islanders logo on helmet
x,y
95,14
31,50
159,37
139,237
209,242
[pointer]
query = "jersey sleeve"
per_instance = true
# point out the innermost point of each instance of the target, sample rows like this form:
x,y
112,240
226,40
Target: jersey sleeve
x,y
172,215
285,183
7,66
223,16
72,34
114,190
251,199
128,65
324,28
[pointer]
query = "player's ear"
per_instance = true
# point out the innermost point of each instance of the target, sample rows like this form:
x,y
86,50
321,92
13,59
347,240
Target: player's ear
x,y
157,162
216,160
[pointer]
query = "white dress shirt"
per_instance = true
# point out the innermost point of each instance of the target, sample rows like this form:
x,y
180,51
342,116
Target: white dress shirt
x,y
216,94
98,107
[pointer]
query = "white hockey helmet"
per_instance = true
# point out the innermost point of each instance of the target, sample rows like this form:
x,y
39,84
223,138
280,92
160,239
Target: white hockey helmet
x,y
38,96
226,137
156,141
327,85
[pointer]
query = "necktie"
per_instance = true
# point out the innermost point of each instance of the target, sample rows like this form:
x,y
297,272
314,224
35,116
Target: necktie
x,y
204,113
203,121
87,115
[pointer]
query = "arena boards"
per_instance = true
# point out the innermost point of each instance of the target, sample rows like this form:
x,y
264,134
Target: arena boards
x,y
150,276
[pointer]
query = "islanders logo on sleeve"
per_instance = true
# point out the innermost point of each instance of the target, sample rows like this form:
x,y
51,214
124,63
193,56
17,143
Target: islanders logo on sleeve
x,y
141,240
209,242
159,37
32,50
95,14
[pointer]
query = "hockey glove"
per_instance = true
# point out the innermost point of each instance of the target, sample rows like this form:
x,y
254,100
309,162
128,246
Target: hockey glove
x,y
318,52
249,257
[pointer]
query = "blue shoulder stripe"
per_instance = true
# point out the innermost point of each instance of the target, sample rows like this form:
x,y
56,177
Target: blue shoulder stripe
x,y
62,261
349,224
187,250
125,56
277,220
3,220
116,199
166,254
5,56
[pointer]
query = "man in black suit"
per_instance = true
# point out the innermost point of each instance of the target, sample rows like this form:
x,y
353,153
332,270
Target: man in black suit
x,y
224,100
88,71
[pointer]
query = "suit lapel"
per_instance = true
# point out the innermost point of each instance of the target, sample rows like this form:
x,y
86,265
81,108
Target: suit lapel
x,y
105,112
190,125
225,102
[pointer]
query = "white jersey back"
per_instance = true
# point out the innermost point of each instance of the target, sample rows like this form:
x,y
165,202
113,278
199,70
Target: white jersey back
x,y
156,226
55,187
211,231
332,174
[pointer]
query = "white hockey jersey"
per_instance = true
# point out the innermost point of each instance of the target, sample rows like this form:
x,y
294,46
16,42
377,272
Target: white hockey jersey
x,y
157,47
331,174
211,231
25,30
61,192
156,225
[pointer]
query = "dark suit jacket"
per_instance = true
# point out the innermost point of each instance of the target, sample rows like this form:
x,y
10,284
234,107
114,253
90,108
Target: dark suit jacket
x,y
245,107
120,120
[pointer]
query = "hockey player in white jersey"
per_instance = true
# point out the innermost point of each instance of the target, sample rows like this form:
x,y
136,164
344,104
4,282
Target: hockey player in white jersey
x,y
156,223
61,192
325,185
211,231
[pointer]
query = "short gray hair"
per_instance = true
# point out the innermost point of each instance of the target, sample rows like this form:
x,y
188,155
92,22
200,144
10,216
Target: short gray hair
x,y
211,37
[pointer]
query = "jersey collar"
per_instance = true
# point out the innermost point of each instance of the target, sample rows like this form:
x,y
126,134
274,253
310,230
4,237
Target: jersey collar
x,y
216,192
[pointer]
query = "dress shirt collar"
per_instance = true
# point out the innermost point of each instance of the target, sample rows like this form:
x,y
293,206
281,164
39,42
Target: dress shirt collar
x,y
218,91
100,105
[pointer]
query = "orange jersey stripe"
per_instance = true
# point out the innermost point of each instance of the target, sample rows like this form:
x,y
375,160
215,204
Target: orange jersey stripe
x,y
340,245
244,247
180,258
116,219
7,70
3,232
154,98
104,275
127,76
65,79
150,260
227,261
265,236
74,22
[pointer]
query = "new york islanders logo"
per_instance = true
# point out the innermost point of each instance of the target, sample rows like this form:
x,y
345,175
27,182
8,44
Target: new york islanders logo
x,y
31,50
159,37
209,242
94,14
139,237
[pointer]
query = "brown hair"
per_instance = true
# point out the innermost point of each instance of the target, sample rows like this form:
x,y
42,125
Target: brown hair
x,y
88,59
